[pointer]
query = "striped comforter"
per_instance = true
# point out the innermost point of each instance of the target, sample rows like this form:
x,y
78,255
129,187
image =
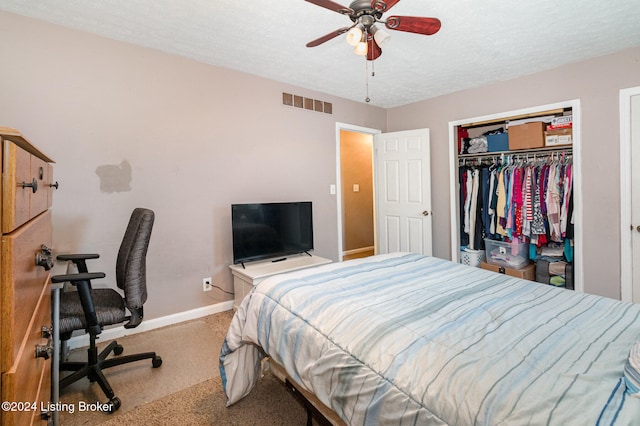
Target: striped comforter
x,y
413,340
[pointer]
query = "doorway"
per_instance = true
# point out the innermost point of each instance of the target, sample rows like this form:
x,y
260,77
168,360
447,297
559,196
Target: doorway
x,y
356,165
355,196
630,195
401,191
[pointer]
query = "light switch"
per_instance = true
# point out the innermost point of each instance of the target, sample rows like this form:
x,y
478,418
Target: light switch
x,y
356,187
332,189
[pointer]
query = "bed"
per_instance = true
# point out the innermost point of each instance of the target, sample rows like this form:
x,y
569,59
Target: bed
x,y
416,340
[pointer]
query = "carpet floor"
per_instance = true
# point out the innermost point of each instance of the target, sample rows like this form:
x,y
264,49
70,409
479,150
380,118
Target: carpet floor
x,y
269,403
185,390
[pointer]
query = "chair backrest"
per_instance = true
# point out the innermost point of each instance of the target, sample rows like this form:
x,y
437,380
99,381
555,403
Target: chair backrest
x,y
131,263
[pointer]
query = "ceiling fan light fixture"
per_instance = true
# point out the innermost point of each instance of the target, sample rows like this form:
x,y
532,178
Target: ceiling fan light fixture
x,y
361,49
363,34
354,35
380,36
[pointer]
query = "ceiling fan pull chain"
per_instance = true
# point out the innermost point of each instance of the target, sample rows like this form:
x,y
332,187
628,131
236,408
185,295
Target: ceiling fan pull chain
x,y
366,76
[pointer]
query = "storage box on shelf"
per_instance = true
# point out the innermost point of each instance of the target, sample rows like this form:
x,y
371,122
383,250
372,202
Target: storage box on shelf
x,y
513,254
558,137
527,272
562,122
498,142
527,136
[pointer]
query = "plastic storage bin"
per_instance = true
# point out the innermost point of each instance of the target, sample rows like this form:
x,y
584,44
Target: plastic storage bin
x,y
510,255
471,257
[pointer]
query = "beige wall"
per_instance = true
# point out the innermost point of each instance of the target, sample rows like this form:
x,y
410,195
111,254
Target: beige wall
x,y
356,167
197,138
596,83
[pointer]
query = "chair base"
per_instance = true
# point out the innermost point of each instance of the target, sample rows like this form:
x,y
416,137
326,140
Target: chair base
x,y
98,362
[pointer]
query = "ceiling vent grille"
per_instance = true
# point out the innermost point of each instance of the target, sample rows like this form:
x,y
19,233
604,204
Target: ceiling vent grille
x,y
306,103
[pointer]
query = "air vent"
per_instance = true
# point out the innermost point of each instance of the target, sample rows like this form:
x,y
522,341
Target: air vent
x,y
306,103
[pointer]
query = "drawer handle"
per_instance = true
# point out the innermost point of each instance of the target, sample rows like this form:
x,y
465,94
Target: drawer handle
x,y
44,258
33,185
46,332
54,185
44,351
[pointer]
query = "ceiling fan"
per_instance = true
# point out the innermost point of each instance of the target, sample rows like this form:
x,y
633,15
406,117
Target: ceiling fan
x,y
363,34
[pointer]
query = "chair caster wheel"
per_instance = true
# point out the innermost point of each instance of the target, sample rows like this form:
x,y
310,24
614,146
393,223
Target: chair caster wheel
x,y
118,349
156,361
115,404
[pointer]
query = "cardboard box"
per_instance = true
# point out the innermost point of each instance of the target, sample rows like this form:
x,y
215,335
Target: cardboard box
x,y
527,273
526,136
558,137
564,121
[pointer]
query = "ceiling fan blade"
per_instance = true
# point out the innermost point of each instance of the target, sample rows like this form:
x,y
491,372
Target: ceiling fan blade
x,y
414,24
373,50
382,6
328,4
327,37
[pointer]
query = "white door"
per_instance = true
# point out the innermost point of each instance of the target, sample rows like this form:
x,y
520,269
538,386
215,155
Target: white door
x,y
403,192
635,195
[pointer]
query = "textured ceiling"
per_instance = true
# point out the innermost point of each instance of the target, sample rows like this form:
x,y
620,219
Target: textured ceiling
x,y
481,41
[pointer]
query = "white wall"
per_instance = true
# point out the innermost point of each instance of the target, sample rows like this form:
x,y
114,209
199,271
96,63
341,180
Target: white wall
x,y
197,138
596,83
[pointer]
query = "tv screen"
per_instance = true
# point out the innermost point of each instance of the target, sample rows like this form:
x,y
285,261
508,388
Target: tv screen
x,y
265,230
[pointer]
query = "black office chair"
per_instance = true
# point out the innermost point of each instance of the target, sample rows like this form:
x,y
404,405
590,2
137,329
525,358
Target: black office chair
x,y
91,309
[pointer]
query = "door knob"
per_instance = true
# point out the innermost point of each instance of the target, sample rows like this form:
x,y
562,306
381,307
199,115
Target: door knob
x,y
426,213
638,228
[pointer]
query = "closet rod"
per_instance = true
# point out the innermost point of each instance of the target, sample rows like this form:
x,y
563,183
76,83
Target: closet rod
x,y
565,148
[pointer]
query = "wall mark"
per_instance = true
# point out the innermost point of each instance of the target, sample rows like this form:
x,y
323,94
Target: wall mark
x,y
115,178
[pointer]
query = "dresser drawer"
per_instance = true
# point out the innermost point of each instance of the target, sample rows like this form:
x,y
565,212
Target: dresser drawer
x,y
22,283
25,186
29,378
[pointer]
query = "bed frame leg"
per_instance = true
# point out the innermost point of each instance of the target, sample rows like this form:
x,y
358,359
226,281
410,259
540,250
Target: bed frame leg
x,y
309,417
312,412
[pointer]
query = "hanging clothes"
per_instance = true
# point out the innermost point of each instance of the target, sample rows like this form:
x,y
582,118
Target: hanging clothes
x,y
525,200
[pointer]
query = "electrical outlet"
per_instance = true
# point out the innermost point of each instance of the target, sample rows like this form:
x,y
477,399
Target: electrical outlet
x,y
206,284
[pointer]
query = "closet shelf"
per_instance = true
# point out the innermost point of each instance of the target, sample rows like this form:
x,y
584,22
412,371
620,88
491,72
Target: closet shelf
x,y
503,120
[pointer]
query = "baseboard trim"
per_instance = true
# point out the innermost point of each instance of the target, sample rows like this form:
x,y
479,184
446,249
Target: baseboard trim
x,y
357,251
146,325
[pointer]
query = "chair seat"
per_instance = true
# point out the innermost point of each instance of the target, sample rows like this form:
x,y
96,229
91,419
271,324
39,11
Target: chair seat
x,y
109,306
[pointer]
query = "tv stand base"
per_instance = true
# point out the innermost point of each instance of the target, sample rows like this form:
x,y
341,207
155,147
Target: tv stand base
x,y
248,275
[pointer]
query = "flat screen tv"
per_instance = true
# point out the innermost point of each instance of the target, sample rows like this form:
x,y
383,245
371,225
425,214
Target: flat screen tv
x,y
271,230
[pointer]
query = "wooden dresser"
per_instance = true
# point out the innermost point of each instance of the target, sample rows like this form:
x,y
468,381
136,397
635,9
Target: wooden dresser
x,y
25,289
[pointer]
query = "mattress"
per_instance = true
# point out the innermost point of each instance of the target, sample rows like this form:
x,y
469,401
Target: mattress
x,y
410,339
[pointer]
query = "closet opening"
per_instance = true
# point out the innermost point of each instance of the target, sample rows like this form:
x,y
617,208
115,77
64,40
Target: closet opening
x,y
516,194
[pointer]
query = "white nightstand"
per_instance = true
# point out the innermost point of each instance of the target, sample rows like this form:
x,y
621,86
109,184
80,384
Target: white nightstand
x,y
245,278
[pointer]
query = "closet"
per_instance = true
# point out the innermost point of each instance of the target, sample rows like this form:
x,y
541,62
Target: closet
x,y
515,193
